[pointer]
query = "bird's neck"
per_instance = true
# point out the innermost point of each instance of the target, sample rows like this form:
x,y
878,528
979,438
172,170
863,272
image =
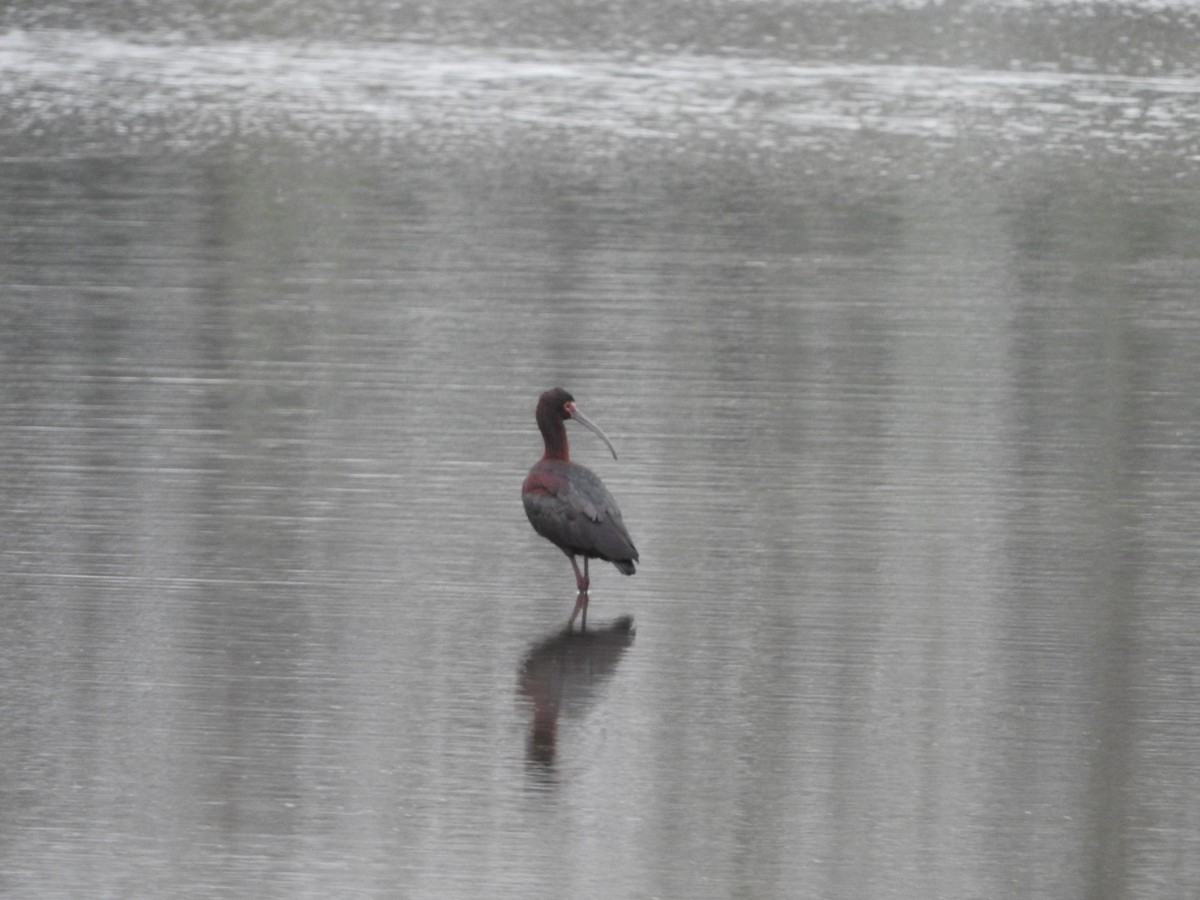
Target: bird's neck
x,y
555,435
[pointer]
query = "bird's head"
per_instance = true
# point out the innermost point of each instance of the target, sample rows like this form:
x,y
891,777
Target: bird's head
x,y
557,403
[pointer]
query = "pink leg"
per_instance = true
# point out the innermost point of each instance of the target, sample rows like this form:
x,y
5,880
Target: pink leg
x,y
581,601
586,582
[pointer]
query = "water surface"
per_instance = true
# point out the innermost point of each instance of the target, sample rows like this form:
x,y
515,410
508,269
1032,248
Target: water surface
x,y
899,360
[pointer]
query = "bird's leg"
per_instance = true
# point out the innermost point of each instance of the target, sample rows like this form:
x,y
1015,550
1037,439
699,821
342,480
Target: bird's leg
x,y
586,582
580,606
581,579
581,601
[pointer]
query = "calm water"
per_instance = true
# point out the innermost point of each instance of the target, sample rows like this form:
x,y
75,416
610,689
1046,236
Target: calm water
x,y
900,360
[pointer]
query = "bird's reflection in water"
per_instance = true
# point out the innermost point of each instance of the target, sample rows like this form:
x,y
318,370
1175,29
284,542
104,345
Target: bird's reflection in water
x,y
560,676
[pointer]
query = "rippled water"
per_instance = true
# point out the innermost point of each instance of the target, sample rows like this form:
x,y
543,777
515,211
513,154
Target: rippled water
x,y
127,95
900,363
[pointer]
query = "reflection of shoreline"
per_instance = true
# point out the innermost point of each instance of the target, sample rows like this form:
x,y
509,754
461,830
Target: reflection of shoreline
x,y
560,675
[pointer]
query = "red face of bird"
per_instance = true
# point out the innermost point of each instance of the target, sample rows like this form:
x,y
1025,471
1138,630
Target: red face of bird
x,y
571,411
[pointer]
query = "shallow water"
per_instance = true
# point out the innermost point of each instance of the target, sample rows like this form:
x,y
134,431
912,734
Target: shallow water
x,y
899,361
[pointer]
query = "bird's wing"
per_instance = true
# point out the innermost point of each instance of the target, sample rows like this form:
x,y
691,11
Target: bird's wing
x,y
577,513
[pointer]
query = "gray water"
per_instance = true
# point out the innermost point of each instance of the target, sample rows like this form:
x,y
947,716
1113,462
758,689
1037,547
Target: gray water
x,y
900,361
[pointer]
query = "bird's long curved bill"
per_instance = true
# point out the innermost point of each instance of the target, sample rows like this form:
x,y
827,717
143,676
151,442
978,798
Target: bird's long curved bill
x,y
587,423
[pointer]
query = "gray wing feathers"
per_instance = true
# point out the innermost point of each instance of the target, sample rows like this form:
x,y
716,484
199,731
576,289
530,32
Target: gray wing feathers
x,y
585,518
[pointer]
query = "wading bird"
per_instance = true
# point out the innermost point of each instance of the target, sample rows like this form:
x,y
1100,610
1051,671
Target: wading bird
x,y
569,505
